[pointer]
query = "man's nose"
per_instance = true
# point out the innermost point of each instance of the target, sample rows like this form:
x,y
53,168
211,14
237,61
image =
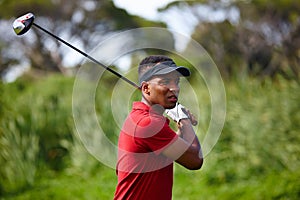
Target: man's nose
x,y
173,86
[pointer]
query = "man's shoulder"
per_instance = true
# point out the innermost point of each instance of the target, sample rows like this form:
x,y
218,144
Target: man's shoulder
x,y
138,105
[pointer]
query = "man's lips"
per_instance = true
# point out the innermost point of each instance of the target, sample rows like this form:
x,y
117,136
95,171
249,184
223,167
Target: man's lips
x,y
172,98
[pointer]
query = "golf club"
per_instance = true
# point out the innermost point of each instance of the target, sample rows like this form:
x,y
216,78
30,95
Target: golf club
x,y
22,24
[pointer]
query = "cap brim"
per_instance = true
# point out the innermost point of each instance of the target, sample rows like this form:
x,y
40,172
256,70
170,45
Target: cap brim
x,y
182,70
164,68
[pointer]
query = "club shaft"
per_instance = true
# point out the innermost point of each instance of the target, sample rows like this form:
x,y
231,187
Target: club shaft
x,y
87,56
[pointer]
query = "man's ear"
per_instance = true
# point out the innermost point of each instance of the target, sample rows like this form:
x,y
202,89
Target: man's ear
x,y
145,87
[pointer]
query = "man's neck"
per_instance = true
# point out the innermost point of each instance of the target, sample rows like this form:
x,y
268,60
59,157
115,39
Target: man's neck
x,y
156,108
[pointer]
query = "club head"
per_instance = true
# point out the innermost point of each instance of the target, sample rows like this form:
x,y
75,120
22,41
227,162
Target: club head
x,y
22,24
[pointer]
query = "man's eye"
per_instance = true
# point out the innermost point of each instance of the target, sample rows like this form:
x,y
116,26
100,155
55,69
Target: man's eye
x,y
169,81
164,82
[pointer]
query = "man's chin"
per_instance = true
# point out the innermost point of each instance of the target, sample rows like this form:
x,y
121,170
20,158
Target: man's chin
x,y
170,106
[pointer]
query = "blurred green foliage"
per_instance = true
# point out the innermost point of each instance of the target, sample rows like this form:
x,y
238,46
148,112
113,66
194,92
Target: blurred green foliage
x,y
34,120
256,156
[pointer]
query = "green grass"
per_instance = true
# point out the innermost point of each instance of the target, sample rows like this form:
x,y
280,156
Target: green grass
x,y
189,185
52,185
196,186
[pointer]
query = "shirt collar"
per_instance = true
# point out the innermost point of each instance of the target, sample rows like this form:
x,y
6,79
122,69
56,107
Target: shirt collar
x,y
142,106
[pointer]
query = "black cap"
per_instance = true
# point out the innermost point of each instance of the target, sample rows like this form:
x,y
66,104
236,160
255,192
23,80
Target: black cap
x,y
164,68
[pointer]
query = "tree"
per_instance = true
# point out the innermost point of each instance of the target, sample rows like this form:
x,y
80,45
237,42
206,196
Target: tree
x,y
82,23
262,37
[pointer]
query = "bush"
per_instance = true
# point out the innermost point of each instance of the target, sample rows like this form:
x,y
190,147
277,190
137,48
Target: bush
x,y
18,157
35,118
260,139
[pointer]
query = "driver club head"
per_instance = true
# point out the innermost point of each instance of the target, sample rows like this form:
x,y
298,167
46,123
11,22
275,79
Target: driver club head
x,y
22,24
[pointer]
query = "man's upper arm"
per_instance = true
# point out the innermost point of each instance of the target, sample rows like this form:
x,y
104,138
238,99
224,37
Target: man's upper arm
x,y
185,154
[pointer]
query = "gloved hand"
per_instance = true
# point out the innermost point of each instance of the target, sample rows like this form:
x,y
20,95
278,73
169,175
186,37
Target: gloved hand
x,y
177,113
180,112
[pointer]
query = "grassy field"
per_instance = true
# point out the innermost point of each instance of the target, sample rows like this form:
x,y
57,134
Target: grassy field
x,y
187,186
256,157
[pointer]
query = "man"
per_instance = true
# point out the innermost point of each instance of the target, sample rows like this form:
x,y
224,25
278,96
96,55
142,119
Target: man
x,y
147,144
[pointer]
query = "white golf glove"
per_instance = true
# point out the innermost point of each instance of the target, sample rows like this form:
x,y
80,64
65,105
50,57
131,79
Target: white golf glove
x,y
177,113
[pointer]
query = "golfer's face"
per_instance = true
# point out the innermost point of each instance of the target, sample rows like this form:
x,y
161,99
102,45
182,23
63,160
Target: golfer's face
x,y
164,90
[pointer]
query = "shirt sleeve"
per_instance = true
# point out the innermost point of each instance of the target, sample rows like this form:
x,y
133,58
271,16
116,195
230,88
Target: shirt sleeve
x,y
156,136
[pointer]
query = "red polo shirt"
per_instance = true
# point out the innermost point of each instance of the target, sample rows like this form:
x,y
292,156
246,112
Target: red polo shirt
x,y
143,172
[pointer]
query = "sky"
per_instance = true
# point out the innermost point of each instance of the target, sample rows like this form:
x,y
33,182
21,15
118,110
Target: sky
x,y
146,9
176,20
181,21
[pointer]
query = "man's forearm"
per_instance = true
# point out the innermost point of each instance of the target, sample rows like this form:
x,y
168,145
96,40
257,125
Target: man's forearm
x,y
187,133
